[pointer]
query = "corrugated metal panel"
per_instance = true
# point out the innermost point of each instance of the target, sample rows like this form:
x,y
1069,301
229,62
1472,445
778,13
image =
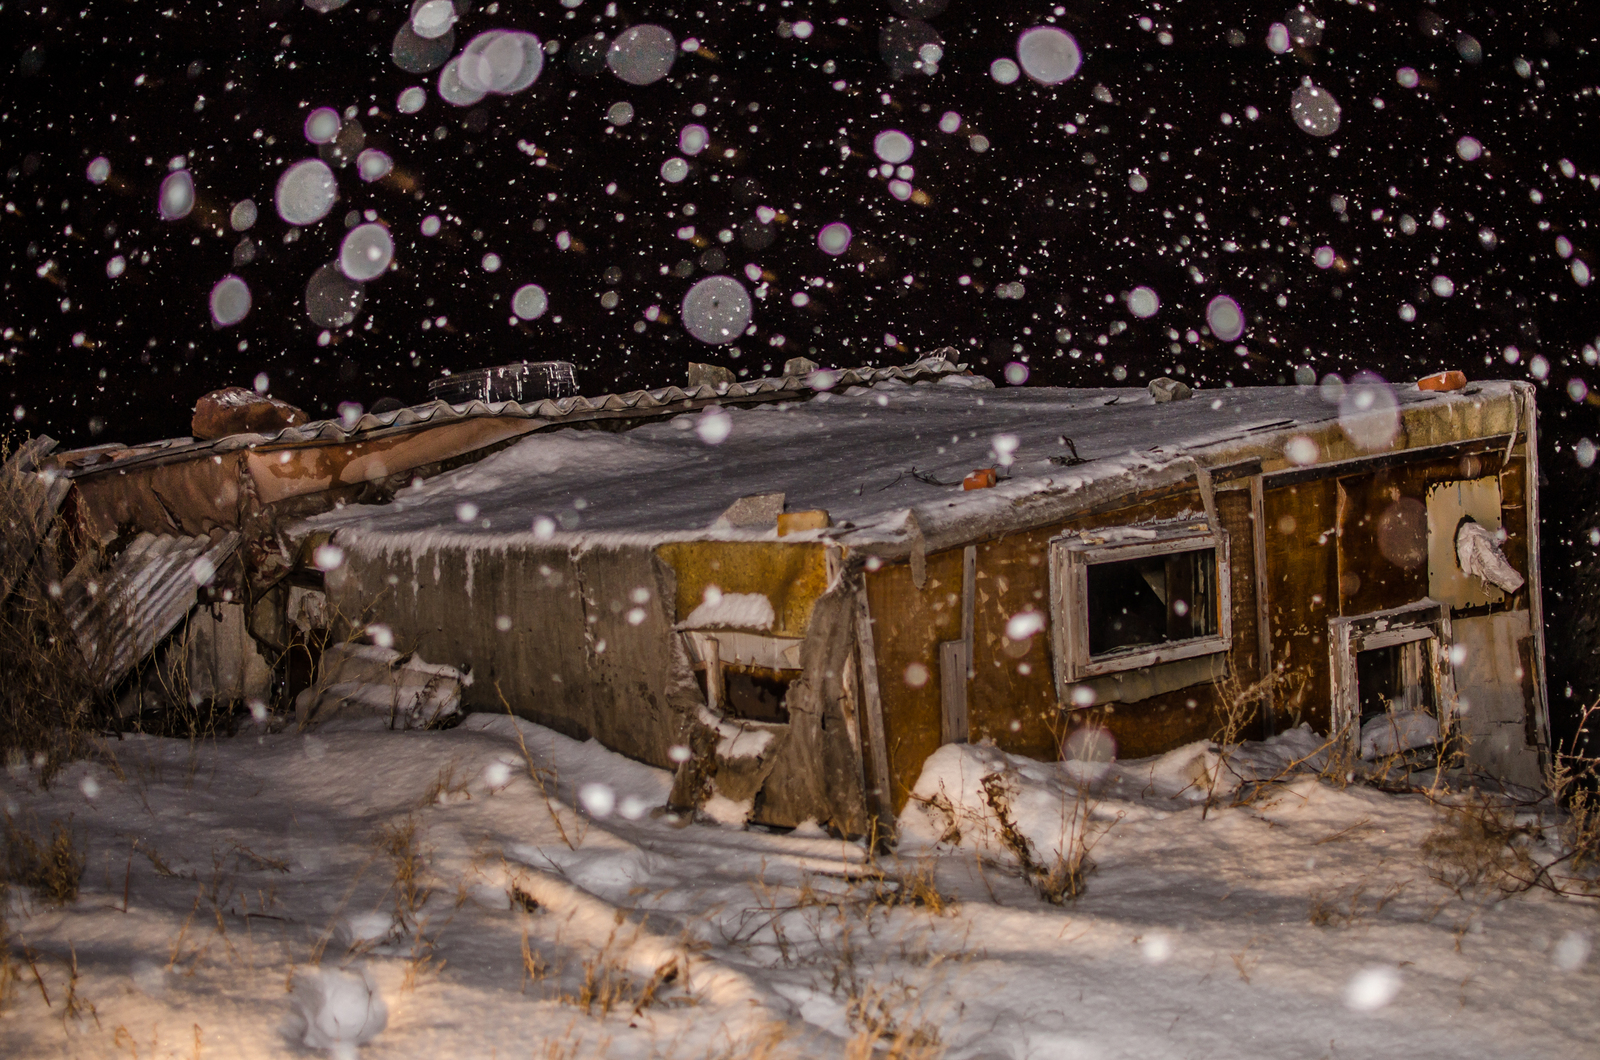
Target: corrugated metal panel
x,y
120,613
643,403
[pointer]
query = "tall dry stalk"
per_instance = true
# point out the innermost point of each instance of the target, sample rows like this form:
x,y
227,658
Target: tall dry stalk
x,y
1241,707
48,694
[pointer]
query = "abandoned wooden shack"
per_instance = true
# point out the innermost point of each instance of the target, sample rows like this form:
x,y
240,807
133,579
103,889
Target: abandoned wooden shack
x,y
792,591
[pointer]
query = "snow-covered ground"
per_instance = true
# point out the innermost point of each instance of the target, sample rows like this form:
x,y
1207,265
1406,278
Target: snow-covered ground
x,y
414,894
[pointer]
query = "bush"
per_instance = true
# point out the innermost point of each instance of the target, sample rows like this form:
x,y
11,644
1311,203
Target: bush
x,y
48,693
50,868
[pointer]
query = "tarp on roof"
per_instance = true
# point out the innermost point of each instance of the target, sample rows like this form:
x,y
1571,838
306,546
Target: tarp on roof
x,y
120,612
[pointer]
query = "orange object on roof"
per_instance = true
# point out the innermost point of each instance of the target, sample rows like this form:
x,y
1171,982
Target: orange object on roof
x,y
981,479
1451,380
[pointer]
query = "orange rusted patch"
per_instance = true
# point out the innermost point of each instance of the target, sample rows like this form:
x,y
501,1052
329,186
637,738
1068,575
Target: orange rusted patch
x,y
1451,380
981,479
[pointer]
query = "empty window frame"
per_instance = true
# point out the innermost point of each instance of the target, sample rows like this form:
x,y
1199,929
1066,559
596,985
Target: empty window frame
x,y
745,675
1392,681
1136,596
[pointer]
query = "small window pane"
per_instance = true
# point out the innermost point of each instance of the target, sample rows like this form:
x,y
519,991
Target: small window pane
x,y
1154,600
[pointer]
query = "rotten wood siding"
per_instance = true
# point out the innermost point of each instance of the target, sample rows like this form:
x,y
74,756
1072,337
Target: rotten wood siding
x,y
1160,723
1302,593
1514,520
1351,544
907,626
1012,696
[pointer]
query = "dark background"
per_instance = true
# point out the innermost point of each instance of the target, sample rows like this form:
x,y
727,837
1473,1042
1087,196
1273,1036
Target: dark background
x,y
1234,205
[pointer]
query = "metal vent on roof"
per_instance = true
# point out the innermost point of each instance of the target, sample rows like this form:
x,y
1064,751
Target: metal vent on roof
x,y
519,382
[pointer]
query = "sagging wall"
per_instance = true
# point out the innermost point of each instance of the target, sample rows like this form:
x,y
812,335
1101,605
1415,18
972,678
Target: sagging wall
x,y
1011,698
812,768
582,640
1321,558
817,769
579,640
1346,545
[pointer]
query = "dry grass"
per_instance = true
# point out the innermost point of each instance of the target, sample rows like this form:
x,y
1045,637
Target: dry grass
x,y
1240,709
1574,783
398,842
10,973
888,1018
1346,907
1479,848
544,779
447,787
534,966
50,866
888,1025
49,696
1065,877
609,986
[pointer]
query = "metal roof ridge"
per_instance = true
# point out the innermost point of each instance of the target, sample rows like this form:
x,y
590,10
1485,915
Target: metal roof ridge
x,y
555,410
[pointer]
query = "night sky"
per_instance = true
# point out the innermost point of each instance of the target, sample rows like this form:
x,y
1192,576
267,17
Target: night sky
x,y
1445,222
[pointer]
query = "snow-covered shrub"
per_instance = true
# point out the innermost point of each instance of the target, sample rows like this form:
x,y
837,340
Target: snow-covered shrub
x,y
336,1010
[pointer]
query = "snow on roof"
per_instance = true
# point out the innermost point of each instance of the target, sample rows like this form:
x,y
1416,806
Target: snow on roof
x,y
865,454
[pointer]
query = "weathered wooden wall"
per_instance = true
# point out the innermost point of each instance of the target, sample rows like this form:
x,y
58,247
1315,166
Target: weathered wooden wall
x,y
1335,545
907,626
1012,696
1302,572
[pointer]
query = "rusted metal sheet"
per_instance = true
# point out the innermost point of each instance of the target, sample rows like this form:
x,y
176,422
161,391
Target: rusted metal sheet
x,y
122,610
281,471
635,405
184,499
182,486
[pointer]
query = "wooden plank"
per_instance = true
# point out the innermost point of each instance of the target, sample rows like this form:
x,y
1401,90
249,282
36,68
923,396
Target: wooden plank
x,y
1301,565
872,706
1361,465
1534,589
714,690
969,592
953,726
1258,561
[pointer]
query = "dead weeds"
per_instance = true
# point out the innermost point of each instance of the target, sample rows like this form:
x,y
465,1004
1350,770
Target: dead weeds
x,y
50,865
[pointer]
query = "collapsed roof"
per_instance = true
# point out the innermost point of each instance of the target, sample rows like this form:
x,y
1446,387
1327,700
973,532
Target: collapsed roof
x,y
868,455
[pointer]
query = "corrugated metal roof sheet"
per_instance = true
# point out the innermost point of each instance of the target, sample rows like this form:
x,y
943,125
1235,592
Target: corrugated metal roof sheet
x,y
639,403
122,612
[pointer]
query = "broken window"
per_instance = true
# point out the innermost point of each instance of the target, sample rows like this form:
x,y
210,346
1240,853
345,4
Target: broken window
x,y
751,693
1137,596
745,675
1152,600
1391,674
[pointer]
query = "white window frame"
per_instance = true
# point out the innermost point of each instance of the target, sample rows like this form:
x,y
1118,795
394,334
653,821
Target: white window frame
x,y
1071,556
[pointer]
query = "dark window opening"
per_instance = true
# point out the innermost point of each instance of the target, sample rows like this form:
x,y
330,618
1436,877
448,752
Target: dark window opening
x,y
1395,678
1153,600
754,693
